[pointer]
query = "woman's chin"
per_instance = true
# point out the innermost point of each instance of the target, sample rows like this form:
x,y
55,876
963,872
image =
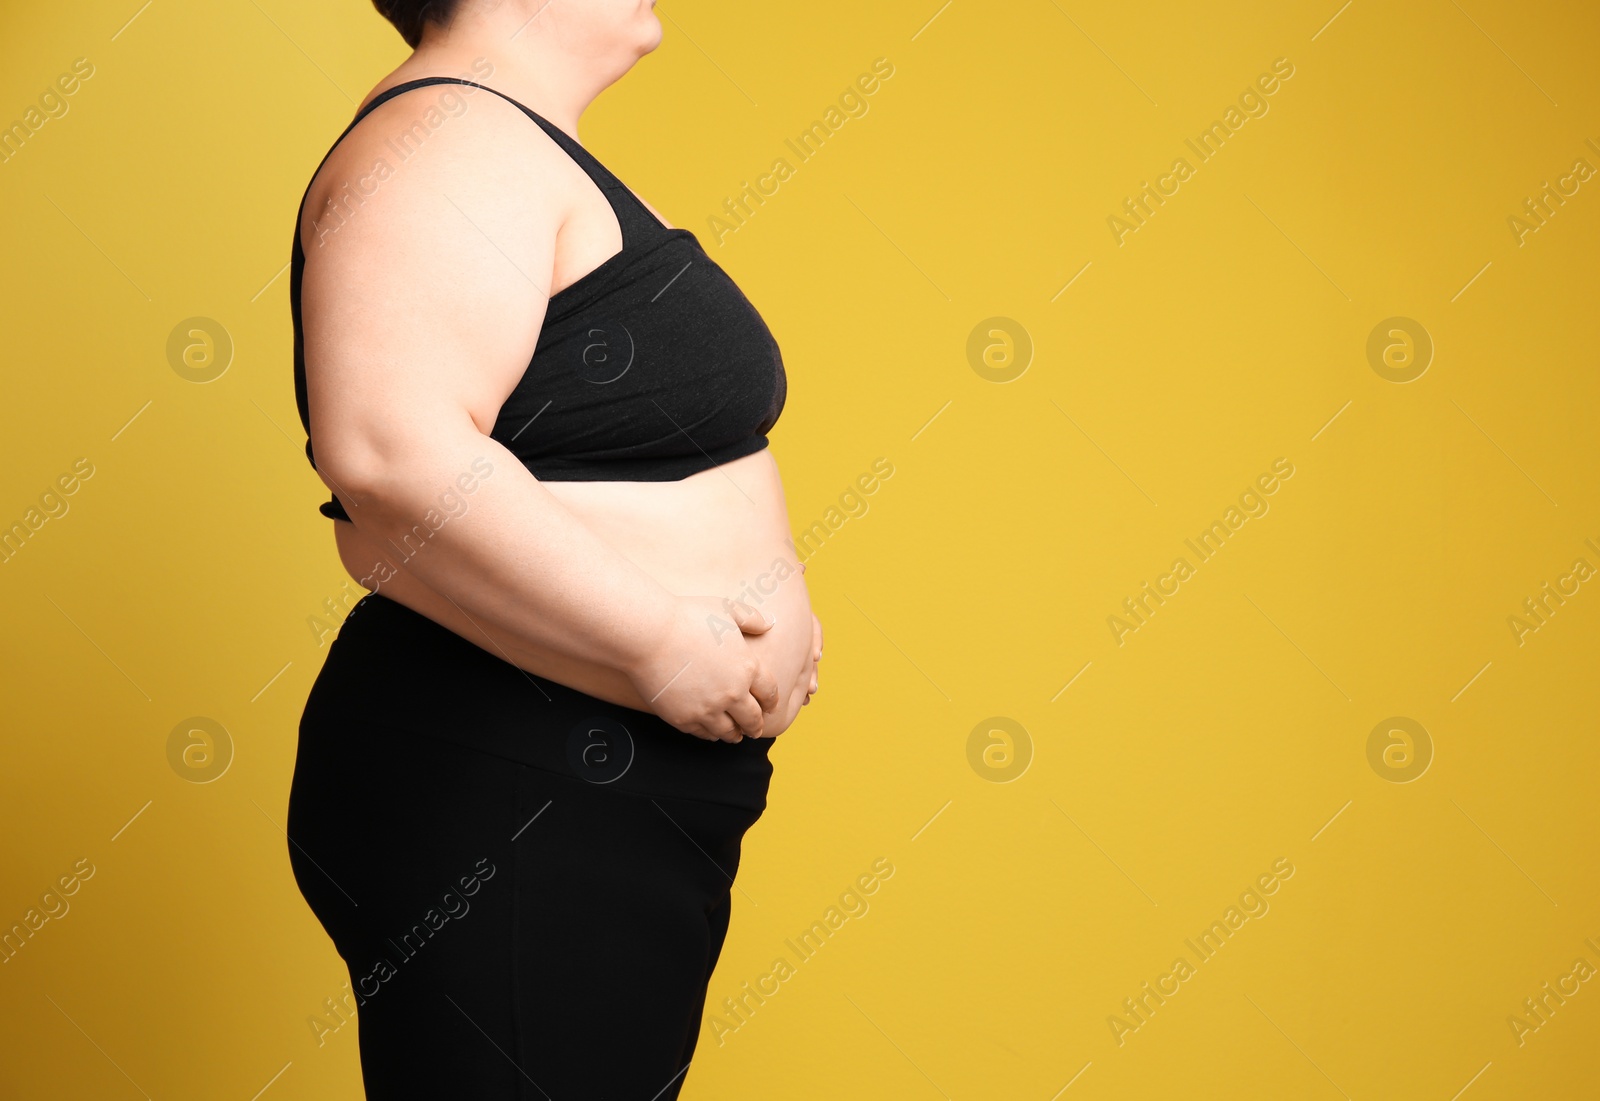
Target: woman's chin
x,y
653,35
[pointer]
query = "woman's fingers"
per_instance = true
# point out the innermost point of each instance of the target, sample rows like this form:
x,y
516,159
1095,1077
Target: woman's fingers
x,y
764,687
746,717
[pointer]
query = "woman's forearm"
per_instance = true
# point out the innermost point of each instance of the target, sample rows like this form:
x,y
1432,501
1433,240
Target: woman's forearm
x,y
471,524
592,678
367,563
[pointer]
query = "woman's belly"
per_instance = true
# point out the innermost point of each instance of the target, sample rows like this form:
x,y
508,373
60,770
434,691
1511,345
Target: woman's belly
x,y
722,532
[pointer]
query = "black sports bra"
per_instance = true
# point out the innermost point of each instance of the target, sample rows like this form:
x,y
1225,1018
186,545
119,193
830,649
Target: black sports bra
x,y
651,367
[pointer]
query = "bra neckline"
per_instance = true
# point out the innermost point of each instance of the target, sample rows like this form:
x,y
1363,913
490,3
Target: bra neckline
x,y
606,267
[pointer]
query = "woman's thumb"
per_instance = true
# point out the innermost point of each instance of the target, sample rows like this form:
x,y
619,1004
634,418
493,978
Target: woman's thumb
x,y
750,621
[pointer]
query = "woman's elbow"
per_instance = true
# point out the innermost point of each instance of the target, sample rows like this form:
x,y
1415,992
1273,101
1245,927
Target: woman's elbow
x,y
381,463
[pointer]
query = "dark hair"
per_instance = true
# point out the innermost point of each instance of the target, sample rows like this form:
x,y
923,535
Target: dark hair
x,y
409,16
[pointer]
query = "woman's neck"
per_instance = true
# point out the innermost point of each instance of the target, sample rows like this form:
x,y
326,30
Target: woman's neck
x,y
533,59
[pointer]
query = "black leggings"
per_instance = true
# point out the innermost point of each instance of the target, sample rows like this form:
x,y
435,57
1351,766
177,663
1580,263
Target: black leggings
x,y
529,886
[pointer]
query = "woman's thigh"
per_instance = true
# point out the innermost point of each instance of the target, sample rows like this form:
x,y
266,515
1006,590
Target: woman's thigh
x,y
510,932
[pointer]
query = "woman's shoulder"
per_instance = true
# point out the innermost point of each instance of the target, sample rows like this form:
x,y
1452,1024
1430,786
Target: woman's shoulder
x,y
410,147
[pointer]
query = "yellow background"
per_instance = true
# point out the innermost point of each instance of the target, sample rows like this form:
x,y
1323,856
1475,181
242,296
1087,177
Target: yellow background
x,y
1228,732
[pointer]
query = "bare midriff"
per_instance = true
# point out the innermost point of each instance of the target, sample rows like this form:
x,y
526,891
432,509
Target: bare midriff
x,y
722,532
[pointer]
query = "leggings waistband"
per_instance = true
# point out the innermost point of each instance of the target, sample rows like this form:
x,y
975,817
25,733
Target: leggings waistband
x,y
391,667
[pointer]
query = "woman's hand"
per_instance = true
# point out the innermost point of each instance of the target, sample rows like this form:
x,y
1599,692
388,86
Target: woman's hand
x,y
703,678
794,663
808,682
816,655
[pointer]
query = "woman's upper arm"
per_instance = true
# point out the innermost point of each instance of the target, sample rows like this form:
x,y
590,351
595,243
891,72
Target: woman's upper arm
x,y
426,280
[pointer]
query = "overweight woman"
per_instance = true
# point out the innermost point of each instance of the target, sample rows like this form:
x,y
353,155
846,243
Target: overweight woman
x,y
527,765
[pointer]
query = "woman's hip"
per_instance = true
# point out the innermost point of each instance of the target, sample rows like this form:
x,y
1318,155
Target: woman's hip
x,y
480,903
